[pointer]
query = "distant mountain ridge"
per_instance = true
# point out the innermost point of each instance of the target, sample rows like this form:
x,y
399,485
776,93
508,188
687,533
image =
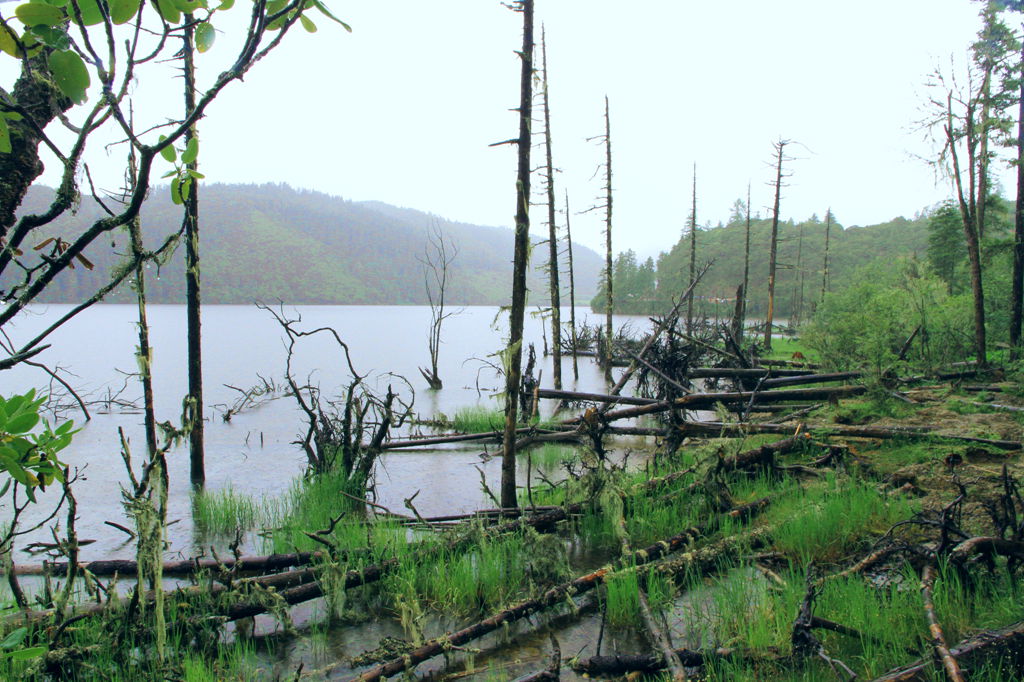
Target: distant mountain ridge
x,y
273,242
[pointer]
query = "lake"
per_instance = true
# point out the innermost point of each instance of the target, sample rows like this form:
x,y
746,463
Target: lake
x,y
255,452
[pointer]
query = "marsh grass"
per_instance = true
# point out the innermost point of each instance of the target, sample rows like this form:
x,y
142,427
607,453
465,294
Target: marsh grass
x,y
829,520
477,419
224,511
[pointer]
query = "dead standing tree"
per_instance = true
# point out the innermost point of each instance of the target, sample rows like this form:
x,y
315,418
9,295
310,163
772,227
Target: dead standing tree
x,y
514,352
780,158
693,254
970,117
572,291
193,407
438,255
549,186
607,275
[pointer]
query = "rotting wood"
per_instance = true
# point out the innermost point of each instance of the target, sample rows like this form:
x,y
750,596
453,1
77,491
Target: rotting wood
x,y
880,432
808,379
949,662
553,394
621,664
559,593
741,373
1007,642
697,401
127,567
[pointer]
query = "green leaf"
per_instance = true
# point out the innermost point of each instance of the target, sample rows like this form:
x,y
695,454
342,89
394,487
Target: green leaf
x,y
6,486
23,423
17,471
51,37
70,74
5,137
176,191
191,151
307,24
25,654
169,11
275,6
169,153
189,6
205,36
36,14
327,13
9,41
123,11
226,4
14,639
196,174
91,12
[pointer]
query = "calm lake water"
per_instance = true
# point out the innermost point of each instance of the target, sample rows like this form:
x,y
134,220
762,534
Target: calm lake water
x,y
255,453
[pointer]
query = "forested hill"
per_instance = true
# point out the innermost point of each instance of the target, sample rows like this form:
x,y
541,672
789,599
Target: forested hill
x,y
649,287
271,242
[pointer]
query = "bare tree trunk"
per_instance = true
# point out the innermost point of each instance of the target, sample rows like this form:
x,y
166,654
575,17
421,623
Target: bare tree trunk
x,y
572,292
515,347
828,231
1017,295
693,253
193,412
609,299
556,312
780,147
968,210
438,256
746,274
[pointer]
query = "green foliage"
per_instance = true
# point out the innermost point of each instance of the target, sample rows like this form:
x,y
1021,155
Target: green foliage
x,y
26,457
866,324
947,252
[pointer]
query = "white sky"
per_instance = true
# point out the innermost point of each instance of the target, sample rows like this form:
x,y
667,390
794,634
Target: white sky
x,y
402,110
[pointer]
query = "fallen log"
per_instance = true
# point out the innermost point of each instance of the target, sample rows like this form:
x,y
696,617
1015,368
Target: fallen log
x,y
809,379
552,394
942,652
697,401
759,456
127,567
740,373
1006,643
621,664
448,438
881,432
555,595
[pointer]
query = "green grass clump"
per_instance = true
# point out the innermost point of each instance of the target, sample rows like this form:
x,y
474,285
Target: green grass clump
x,y
477,419
223,511
827,521
622,595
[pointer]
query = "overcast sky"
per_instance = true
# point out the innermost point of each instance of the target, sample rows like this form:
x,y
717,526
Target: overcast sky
x,y
402,109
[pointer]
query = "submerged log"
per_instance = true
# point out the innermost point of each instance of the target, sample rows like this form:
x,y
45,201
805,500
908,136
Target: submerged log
x,y
552,394
621,664
1006,644
555,595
